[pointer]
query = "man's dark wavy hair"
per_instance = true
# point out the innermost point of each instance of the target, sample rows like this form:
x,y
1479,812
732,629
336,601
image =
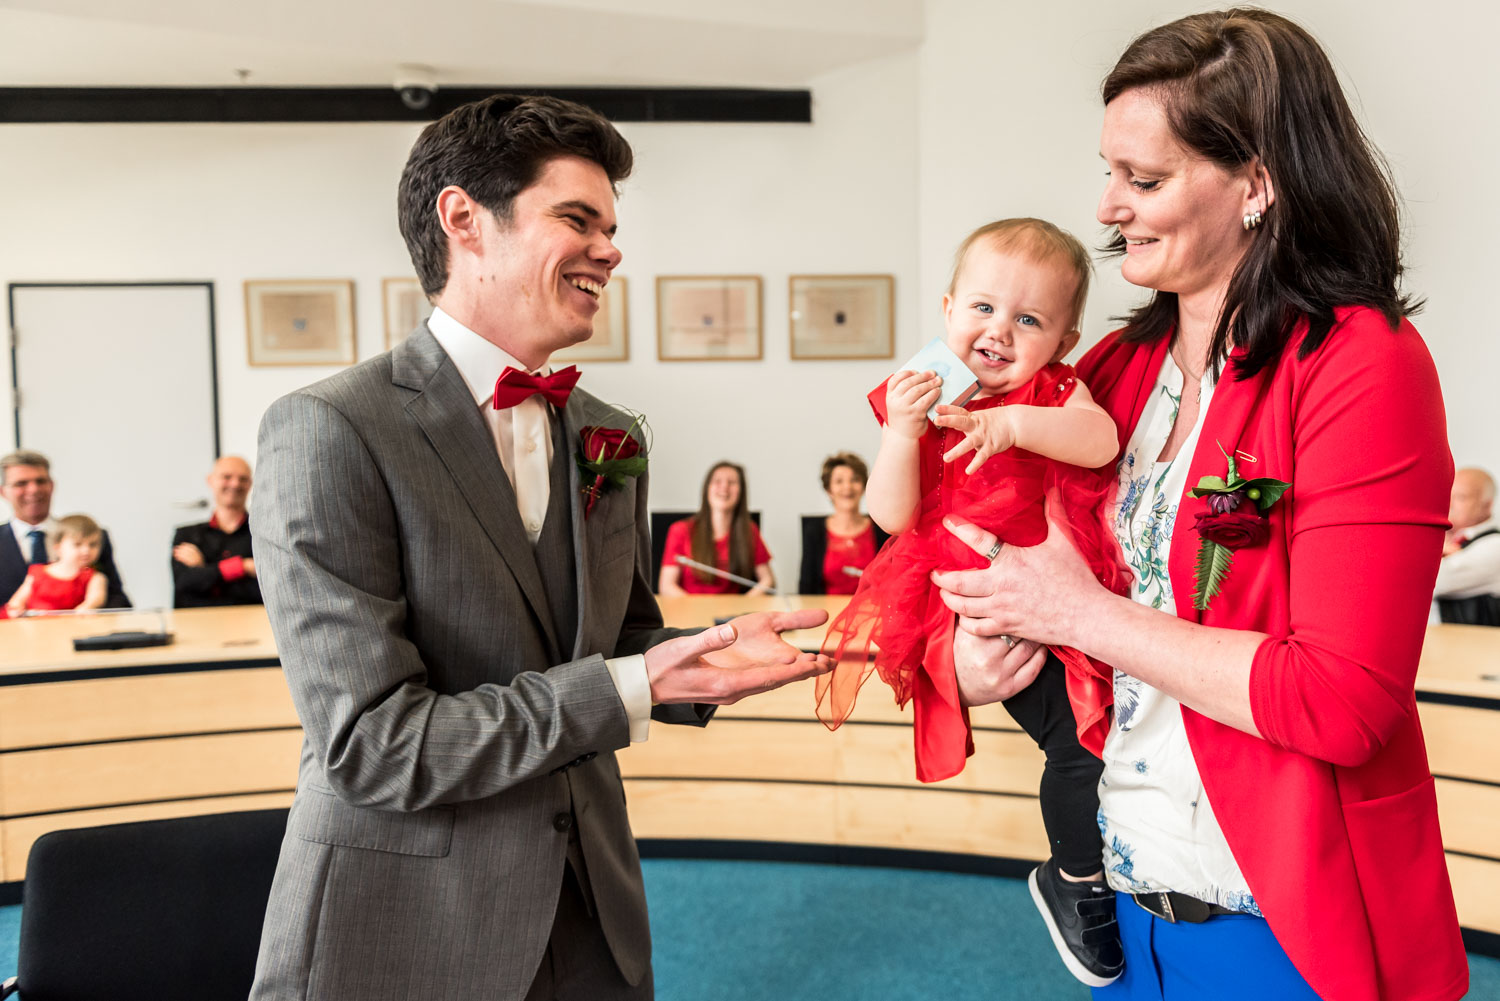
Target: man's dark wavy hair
x,y
1246,84
494,149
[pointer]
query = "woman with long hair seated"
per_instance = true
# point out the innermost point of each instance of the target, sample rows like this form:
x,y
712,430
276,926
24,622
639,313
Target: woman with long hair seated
x,y
720,535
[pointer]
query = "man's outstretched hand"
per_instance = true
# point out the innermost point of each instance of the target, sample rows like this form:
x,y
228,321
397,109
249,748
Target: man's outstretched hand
x,y
745,657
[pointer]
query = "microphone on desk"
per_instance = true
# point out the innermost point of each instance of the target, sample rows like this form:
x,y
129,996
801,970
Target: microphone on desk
x,y
721,574
734,578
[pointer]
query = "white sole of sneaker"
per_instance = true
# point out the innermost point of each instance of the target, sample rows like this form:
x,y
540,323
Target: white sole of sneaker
x,y
1079,971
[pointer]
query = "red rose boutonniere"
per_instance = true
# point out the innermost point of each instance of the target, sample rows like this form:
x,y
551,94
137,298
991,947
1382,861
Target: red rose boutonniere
x,y
610,456
1235,519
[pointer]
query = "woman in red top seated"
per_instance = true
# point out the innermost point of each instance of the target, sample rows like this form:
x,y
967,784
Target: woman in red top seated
x,y
720,535
847,539
1269,816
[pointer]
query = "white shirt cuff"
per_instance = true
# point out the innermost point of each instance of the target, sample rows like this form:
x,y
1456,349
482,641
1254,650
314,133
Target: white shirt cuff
x,y
629,675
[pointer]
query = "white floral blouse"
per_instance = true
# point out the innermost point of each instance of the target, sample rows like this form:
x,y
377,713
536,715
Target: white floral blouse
x,y
1159,829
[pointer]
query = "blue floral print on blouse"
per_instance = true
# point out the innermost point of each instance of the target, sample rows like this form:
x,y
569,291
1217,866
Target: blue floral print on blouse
x,y
1145,517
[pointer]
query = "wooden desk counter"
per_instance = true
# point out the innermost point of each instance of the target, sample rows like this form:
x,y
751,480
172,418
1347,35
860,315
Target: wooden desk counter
x,y
766,770
204,638
206,725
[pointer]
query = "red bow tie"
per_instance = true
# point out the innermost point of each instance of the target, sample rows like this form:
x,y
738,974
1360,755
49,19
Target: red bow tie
x,y
513,386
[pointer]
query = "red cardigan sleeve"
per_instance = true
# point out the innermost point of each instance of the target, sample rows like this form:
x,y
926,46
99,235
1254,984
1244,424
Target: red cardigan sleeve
x,y
1366,515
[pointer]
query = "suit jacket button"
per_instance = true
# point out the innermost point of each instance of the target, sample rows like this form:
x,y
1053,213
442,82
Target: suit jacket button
x,y
562,821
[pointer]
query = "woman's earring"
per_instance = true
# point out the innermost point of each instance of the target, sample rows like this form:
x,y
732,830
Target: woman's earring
x,y
1252,220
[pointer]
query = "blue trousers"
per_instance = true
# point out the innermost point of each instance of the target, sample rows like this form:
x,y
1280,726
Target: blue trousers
x,y
1233,957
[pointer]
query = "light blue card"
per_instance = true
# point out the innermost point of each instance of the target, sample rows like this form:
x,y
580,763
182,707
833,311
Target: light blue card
x,y
959,383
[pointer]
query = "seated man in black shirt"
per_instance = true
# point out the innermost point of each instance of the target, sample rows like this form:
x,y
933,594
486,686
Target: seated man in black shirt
x,y
212,563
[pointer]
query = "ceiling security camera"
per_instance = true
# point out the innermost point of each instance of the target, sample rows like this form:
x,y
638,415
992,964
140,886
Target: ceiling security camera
x,y
416,85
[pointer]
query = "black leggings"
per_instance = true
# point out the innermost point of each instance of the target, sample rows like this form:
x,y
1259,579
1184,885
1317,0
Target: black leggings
x,y
1070,781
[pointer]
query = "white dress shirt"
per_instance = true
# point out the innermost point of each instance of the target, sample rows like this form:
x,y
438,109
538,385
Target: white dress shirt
x,y
22,532
523,439
1474,569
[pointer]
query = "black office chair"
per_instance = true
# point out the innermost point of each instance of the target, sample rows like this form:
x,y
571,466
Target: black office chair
x,y
161,910
660,522
815,547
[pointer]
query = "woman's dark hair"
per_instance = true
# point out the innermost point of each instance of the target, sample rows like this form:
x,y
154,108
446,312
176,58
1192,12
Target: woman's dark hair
x,y
1246,84
855,464
741,547
494,149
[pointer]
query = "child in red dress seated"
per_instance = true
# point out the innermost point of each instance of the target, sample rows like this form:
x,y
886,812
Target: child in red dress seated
x,y
1031,432
70,581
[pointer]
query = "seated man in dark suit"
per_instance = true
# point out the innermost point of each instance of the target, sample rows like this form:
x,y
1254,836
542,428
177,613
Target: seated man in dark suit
x,y
211,561
26,484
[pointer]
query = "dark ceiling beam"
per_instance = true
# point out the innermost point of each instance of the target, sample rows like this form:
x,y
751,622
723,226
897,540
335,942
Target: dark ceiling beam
x,y
100,105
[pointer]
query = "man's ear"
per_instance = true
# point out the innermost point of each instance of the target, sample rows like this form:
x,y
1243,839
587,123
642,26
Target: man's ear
x,y
459,215
1068,342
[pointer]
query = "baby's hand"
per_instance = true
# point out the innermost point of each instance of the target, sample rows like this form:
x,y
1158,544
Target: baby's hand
x,y
907,397
986,433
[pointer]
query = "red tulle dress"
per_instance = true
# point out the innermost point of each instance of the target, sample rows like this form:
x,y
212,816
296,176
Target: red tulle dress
x,y
897,625
53,595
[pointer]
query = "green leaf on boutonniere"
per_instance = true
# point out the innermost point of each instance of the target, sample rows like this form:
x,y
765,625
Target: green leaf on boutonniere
x,y
1269,491
1209,485
1213,564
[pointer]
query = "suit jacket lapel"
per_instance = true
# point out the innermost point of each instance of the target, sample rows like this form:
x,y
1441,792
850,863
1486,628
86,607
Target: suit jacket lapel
x,y
8,544
1234,404
573,421
445,410
11,556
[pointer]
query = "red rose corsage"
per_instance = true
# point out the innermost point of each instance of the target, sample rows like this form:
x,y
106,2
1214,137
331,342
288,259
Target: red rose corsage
x,y
610,456
1235,519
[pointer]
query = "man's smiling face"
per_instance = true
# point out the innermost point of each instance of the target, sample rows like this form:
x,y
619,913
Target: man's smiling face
x,y
547,265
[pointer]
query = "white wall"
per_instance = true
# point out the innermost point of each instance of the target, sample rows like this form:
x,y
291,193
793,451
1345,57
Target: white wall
x,y
996,115
1009,120
230,203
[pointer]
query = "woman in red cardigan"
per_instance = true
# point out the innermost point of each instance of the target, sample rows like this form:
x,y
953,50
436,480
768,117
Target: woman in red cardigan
x,y
1269,816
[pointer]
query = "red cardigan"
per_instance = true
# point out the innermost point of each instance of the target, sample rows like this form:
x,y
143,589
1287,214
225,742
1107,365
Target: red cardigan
x,y
1332,817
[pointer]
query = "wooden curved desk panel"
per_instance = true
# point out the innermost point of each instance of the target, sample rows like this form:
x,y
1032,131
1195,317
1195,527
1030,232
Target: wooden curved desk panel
x,y
206,725
202,726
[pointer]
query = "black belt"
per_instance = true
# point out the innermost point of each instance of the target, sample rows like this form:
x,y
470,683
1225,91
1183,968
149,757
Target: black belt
x,y
1176,907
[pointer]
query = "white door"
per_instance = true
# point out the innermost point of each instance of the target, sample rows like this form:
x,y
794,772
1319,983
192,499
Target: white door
x,y
116,386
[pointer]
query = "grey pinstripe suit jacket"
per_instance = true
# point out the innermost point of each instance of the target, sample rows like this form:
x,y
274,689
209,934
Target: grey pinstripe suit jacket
x,y
421,860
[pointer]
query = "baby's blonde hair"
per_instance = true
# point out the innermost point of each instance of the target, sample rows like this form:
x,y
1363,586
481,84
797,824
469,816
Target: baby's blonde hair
x,y
77,526
1042,242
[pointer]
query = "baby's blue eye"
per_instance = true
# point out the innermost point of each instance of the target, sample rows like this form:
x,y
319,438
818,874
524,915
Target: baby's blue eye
x,y
984,308
1028,320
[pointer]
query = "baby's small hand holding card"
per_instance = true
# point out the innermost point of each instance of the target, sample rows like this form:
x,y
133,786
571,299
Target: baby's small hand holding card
x,y
959,383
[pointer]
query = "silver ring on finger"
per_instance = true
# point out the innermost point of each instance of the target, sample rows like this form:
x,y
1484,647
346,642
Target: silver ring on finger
x,y
1008,638
994,551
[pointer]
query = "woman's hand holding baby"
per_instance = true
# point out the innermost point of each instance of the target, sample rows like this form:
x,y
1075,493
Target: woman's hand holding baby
x,y
986,433
907,397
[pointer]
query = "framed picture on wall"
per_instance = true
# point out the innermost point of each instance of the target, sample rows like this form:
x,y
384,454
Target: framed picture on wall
x,y
842,316
299,322
405,307
611,340
708,318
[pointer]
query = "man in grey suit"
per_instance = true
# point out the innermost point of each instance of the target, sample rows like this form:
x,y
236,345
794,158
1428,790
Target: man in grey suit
x,y
465,646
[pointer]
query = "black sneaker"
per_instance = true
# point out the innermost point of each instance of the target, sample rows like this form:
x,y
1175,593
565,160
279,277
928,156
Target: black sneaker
x,y
1081,918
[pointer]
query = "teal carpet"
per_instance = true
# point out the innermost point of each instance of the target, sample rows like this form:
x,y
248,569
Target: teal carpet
x,y
774,931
